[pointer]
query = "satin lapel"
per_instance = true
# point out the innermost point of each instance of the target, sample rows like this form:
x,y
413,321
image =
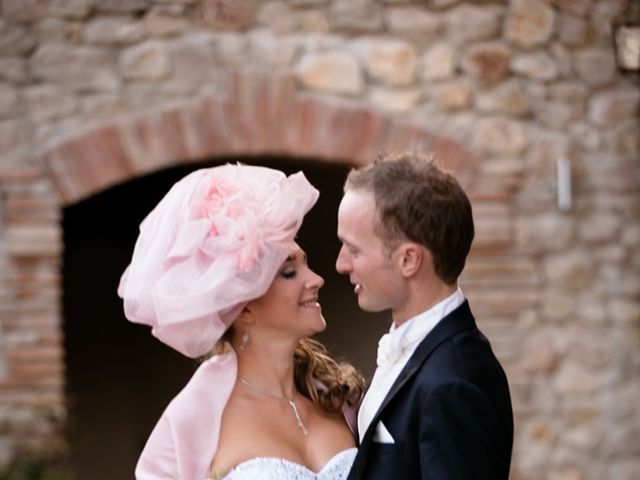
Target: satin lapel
x,y
458,320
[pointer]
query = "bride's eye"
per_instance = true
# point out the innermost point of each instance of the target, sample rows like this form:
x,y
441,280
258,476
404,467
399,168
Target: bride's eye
x,y
288,272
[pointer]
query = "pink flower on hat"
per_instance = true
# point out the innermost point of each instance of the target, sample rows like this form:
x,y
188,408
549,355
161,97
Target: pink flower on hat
x,y
235,218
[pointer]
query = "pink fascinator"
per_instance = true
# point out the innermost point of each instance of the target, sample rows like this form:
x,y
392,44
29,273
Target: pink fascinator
x,y
213,243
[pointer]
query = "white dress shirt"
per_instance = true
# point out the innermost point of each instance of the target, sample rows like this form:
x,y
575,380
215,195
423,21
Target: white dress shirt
x,y
394,350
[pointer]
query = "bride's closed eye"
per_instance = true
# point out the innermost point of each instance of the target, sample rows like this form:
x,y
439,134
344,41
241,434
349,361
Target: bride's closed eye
x,y
288,272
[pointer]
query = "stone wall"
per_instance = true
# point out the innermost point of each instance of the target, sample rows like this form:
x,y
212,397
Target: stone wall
x,y
96,92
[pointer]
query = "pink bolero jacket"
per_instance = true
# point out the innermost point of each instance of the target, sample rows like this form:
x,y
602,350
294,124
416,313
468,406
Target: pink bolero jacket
x,y
185,439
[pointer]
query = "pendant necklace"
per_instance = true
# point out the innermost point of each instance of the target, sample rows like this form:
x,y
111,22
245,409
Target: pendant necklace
x,y
291,401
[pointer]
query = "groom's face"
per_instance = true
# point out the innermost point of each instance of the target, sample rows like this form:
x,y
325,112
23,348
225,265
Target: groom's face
x,y
371,268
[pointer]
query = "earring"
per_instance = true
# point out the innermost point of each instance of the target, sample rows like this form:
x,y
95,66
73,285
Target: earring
x,y
244,340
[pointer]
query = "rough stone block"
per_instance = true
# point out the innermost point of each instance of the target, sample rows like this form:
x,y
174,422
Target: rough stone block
x,y
487,63
160,24
574,379
13,69
276,51
121,6
573,270
509,98
538,65
612,106
146,61
56,30
595,66
27,11
9,102
415,23
575,7
438,62
394,101
453,96
312,21
499,135
544,232
573,31
470,23
15,40
80,68
49,101
336,72
529,23
76,9
355,16
114,31
277,17
193,61
392,62
218,15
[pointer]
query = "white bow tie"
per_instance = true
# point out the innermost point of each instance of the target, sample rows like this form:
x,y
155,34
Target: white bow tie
x,y
388,351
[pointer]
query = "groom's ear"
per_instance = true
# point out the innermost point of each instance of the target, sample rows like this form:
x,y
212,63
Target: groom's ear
x,y
411,259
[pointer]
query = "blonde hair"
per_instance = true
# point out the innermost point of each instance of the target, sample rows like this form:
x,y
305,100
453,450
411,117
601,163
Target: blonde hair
x,y
326,382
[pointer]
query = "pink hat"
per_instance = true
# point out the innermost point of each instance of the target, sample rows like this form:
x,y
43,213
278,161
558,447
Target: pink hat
x,y
213,243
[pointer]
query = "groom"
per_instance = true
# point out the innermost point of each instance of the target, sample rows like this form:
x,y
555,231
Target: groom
x,y
438,406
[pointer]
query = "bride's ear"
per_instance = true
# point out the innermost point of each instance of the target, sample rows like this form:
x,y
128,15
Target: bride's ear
x,y
246,316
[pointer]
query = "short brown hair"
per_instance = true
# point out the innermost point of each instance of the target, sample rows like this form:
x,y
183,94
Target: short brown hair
x,y
417,201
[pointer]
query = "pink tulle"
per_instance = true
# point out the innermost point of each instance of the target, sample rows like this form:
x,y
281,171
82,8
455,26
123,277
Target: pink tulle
x,y
214,242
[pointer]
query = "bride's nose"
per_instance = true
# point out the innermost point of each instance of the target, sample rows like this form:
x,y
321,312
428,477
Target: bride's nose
x,y
314,280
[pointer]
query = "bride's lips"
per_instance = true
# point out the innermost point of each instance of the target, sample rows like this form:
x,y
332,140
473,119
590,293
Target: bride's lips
x,y
313,303
357,288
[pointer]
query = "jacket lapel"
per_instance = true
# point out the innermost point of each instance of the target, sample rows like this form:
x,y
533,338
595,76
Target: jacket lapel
x,y
458,320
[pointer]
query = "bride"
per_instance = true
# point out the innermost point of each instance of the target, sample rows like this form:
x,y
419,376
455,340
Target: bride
x,y
216,272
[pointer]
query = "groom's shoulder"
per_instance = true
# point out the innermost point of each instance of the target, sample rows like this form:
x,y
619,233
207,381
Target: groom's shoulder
x,y
459,353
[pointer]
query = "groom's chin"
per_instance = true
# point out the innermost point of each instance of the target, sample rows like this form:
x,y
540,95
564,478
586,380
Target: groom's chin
x,y
368,306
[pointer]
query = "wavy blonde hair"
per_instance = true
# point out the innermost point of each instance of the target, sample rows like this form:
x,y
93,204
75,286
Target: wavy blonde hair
x,y
326,382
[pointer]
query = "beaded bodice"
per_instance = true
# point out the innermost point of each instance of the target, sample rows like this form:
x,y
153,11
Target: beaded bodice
x,y
267,468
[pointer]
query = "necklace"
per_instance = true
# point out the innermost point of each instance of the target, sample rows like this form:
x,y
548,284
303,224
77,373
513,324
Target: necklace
x,y
291,401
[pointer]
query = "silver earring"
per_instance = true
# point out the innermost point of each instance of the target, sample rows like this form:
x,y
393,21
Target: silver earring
x,y
244,340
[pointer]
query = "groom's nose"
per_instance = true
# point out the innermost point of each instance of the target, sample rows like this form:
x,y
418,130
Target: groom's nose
x,y
343,265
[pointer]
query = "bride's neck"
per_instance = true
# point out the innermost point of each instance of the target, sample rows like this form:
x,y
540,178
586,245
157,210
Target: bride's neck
x,y
268,367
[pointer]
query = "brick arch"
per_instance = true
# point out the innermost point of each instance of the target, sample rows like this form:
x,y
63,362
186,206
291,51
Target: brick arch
x,y
259,115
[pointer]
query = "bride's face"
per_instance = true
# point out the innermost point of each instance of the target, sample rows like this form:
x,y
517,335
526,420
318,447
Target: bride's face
x,y
291,303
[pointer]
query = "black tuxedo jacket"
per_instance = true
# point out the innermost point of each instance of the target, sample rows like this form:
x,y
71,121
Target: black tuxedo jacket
x,y
449,411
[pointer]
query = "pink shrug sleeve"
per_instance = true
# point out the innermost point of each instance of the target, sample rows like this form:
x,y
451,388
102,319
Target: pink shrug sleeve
x,y
185,439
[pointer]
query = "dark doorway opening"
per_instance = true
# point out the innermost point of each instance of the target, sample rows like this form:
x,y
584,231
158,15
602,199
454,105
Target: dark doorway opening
x,y
118,377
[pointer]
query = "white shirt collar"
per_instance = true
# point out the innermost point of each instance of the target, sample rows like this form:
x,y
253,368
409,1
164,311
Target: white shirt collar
x,y
405,337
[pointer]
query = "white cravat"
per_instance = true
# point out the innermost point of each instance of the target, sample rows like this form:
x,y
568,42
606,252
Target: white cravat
x,y
394,350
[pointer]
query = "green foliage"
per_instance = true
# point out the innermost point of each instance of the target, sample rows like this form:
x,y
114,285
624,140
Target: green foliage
x,y
29,467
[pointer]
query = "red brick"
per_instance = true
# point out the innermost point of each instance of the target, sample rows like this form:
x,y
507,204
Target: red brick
x,y
32,396
34,354
89,164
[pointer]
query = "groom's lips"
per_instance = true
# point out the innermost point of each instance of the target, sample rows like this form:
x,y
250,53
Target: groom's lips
x,y
357,288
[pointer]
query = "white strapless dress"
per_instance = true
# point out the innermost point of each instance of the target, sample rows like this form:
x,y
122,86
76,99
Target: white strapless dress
x,y
266,468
